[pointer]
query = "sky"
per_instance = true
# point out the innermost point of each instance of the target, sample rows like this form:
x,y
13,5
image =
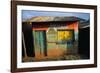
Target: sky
x,y
27,14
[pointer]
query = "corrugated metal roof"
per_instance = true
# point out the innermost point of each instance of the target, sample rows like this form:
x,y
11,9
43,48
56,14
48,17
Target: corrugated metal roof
x,y
82,22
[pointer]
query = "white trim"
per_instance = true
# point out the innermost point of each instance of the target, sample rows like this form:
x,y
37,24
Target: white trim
x,y
52,63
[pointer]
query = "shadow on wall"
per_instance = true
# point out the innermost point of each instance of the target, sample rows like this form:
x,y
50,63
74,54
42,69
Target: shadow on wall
x,y
27,30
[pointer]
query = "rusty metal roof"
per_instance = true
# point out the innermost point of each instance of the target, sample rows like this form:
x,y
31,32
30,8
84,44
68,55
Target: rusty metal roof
x,y
82,22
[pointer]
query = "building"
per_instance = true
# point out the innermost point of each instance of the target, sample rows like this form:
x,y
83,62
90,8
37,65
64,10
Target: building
x,y
54,37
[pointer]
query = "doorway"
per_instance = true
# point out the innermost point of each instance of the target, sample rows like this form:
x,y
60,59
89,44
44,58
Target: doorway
x,y
40,43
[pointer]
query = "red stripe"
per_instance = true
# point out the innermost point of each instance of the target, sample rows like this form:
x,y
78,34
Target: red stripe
x,y
39,28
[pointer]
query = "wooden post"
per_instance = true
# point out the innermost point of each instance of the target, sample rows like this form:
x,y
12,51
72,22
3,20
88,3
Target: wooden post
x,y
24,45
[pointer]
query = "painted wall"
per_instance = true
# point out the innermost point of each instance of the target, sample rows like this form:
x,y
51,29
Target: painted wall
x,y
52,40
